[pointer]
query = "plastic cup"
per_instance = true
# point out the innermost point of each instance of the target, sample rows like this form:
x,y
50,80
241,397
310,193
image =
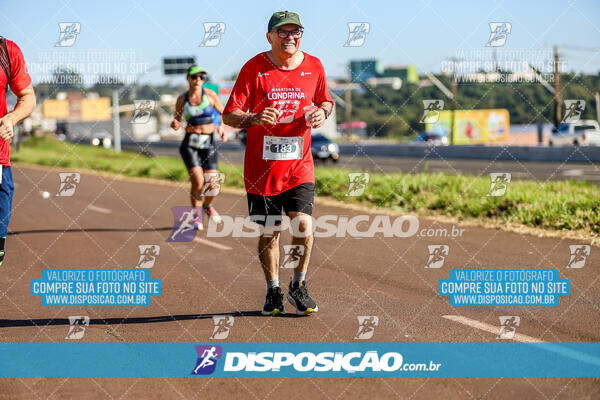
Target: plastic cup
x,y
308,112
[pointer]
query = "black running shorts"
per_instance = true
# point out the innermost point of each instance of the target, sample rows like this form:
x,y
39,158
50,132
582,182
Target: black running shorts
x,y
206,158
297,199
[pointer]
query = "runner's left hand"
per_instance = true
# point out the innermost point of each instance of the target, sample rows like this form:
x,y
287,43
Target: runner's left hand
x,y
6,128
317,119
221,132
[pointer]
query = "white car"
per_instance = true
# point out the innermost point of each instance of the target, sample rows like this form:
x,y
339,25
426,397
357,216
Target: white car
x,y
580,133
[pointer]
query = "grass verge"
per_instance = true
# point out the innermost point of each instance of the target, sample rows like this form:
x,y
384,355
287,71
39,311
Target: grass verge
x,y
563,206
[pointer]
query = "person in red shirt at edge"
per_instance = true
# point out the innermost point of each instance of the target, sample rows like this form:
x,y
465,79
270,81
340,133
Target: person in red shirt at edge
x,y
272,94
13,73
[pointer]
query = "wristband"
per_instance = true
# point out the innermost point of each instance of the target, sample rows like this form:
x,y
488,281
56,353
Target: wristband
x,y
326,112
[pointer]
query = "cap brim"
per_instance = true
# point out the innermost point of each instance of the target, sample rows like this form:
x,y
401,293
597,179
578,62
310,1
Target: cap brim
x,y
286,23
197,71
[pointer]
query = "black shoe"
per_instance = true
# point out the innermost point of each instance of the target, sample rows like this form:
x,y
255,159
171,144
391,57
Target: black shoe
x,y
299,297
274,303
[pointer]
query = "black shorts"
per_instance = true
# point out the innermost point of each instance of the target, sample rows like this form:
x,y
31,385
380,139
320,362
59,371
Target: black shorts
x,y
205,158
300,198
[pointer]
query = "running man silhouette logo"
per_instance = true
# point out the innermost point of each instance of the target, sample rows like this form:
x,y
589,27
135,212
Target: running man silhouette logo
x,y
573,110
366,326
358,183
223,325
499,32
431,111
142,111
358,33
207,359
437,255
212,33
213,182
499,183
579,255
68,183
148,254
183,225
77,327
292,254
68,33
508,326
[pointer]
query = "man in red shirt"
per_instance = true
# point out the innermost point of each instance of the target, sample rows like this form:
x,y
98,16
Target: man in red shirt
x,y
271,96
13,73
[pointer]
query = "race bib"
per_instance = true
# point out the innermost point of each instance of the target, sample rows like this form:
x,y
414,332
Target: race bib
x,y
282,148
198,141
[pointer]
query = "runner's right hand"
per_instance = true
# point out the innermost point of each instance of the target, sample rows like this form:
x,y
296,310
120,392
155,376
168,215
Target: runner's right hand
x,y
268,116
175,124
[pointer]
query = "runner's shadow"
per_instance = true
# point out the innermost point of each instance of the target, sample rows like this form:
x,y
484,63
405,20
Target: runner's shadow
x,y
12,323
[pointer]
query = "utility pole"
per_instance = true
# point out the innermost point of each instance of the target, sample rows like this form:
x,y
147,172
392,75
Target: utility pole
x,y
116,121
453,104
557,94
597,96
348,100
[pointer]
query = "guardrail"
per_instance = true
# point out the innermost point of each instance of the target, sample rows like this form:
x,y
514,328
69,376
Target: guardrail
x,y
509,153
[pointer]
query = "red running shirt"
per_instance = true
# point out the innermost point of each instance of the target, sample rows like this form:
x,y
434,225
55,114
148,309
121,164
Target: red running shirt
x,y
19,80
260,84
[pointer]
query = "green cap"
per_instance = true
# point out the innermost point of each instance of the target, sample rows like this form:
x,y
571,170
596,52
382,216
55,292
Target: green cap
x,y
282,18
194,69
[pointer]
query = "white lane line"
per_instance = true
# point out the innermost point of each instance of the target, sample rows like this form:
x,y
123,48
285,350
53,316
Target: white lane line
x,y
99,209
519,337
213,244
556,348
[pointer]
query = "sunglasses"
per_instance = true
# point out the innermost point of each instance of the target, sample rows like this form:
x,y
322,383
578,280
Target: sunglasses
x,y
196,76
282,33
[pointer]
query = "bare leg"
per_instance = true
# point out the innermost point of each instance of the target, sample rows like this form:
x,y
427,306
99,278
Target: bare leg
x,y
197,180
303,224
209,199
268,253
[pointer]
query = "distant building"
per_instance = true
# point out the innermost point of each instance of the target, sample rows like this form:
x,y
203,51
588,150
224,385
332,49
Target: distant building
x,y
361,70
408,73
368,69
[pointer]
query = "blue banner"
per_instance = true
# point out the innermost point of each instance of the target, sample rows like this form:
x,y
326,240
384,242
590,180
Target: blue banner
x,y
300,359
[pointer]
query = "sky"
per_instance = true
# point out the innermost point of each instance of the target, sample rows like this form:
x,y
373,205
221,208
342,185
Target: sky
x,y
130,37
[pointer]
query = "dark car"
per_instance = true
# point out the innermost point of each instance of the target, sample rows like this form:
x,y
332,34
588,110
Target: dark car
x,y
323,148
431,138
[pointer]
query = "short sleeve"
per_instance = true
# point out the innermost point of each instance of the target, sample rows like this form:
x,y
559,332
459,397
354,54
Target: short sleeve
x,y
240,92
321,92
19,76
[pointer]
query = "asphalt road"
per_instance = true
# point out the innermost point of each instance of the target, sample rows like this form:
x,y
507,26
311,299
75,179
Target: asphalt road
x,y
106,219
233,153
